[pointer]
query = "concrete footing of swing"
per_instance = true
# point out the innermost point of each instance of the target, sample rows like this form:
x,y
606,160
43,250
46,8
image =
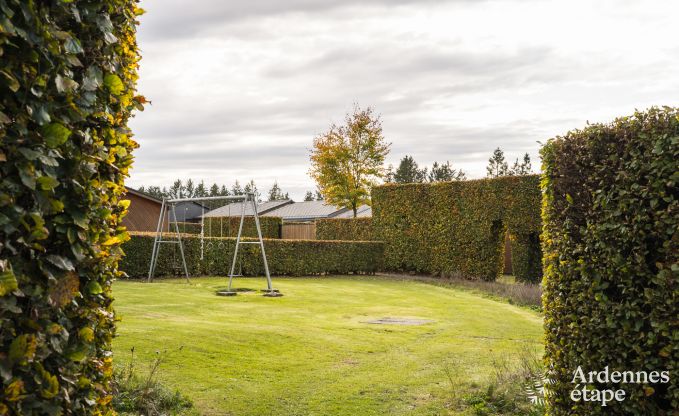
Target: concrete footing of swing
x,y
273,293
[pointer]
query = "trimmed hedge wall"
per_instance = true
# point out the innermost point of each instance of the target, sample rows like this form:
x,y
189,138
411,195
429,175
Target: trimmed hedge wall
x,y
458,228
67,85
285,257
228,227
347,229
611,241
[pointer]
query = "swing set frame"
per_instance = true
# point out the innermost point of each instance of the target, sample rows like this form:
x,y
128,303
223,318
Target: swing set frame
x,y
168,208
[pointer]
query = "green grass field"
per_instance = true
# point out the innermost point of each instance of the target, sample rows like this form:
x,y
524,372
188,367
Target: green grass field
x,y
312,351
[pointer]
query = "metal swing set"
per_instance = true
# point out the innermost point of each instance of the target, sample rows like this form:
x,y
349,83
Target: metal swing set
x,y
168,209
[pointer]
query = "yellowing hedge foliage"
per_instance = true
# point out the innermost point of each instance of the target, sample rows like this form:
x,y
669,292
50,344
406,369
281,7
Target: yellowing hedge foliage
x,y
285,257
67,85
457,228
611,242
347,229
228,227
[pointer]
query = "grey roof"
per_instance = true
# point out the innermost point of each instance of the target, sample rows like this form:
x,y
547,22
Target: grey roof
x,y
234,209
364,211
307,210
188,210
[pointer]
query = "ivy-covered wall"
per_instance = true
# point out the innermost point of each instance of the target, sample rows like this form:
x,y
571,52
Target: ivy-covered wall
x,y
285,257
458,228
611,242
348,229
67,89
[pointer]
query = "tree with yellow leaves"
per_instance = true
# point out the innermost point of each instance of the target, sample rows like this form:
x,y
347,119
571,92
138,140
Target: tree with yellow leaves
x,y
348,160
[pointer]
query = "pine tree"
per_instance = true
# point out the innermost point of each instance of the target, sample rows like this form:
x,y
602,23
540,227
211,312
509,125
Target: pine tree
x,y
497,166
250,187
408,171
309,196
201,190
276,194
189,189
236,189
214,190
523,168
176,190
445,173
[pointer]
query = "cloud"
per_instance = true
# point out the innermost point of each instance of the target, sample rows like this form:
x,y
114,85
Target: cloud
x,y
239,89
172,19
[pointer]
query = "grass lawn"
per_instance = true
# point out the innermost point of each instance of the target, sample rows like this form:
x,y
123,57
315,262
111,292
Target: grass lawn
x,y
312,351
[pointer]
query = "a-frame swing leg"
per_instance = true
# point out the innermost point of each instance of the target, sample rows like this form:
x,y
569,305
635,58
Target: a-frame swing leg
x,y
229,291
181,245
270,291
157,241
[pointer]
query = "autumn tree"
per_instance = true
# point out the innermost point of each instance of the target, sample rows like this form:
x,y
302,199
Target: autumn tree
x,y
348,160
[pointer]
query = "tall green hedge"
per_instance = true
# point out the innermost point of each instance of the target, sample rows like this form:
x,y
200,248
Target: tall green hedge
x,y
67,84
228,227
458,228
347,229
285,257
611,241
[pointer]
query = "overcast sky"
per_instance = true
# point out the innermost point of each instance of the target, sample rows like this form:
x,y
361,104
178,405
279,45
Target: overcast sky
x,y
240,88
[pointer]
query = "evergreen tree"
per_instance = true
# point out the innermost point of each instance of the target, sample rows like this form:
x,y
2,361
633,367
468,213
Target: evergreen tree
x,y
319,196
154,191
408,171
176,190
236,189
214,190
223,191
250,187
189,189
523,168
497,166
309,196
276,194
445,173
201,190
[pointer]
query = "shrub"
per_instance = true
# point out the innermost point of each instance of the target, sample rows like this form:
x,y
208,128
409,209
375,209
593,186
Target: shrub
x,y
611,241
67,84
513,388
228,227
143,394
285,257
347,229
458,228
